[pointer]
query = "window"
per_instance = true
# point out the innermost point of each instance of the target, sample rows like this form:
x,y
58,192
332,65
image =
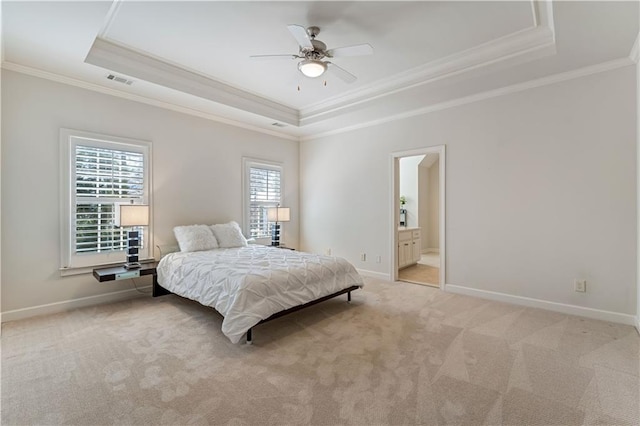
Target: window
x,y
262,189
100,172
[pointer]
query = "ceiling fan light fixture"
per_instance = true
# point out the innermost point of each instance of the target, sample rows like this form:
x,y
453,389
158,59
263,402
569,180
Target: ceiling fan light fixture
x,y
312,68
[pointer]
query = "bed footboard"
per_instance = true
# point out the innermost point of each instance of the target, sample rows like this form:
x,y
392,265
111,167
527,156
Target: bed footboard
x,y
297,308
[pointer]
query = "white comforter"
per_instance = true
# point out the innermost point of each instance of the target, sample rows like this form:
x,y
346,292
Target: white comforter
x,y
249,284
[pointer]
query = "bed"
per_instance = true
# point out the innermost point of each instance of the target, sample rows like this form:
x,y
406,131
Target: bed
x,y
252,284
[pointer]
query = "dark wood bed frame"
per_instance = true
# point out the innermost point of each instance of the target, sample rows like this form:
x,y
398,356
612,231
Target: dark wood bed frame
x,y
158,290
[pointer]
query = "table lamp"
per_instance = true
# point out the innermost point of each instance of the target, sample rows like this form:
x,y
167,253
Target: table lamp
x,y
132,215
277,215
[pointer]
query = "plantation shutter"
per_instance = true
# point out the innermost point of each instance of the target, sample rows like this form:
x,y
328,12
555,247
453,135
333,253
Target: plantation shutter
x,y
264,192
104,177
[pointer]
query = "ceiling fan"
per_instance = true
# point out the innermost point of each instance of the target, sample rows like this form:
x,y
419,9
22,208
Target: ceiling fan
x,y
312,52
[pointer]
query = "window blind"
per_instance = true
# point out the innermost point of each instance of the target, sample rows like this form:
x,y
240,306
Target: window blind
x,y
104,177
264,192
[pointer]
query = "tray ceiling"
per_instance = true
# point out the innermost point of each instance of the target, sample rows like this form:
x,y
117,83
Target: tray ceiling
x,y
194,56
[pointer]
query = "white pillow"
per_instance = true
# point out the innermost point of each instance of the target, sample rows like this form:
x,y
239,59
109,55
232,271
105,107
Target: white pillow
x,y
229,235
195,238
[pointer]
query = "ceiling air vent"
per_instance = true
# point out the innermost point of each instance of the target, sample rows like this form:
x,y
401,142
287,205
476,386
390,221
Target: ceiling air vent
x,y
120,79
278,124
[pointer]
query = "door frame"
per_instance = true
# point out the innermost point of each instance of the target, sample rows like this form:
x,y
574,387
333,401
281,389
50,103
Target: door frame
x,y
395,207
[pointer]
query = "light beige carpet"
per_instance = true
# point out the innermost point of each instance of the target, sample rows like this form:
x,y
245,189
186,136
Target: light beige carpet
x,y
399,354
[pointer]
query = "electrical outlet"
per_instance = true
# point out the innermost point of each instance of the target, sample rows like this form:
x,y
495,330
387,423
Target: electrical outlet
x,y
363,257
327,252
580,285
378,259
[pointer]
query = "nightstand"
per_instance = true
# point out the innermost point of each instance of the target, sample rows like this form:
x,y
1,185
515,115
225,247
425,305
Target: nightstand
x,y
116,273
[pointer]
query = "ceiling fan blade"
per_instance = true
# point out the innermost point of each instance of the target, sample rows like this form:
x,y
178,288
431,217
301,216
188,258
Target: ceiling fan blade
x,y
266,57
357,50
300,34
341,73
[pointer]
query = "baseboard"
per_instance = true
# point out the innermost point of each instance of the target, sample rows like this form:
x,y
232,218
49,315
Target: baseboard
x,y
373,274
544,304
638,323
66,305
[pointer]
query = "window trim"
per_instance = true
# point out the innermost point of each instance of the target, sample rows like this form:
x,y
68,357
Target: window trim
x,y
247,163
69,264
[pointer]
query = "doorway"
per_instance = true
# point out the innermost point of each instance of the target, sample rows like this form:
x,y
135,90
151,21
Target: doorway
x,y
418,216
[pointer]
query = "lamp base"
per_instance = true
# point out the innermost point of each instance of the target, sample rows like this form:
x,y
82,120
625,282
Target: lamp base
x,y
133,243
134,265
275,235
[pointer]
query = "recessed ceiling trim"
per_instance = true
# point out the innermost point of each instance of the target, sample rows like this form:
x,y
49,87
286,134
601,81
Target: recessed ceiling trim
x,y
634,55
58,78
515,88
525,45
543,14
116,57
111,14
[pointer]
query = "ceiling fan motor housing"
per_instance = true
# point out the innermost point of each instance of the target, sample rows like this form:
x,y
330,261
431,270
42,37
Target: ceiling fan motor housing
x,y
319,50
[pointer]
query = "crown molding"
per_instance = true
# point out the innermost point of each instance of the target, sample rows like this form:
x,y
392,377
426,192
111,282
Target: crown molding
x,y
34,72
512,49
109,18
117,57
544,81
507,51
520,87
542,11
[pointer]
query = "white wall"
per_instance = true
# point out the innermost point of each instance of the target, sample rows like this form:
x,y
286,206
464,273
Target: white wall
x,y
429,210
423,205
433,197
197,172
409,188
541,189
638,192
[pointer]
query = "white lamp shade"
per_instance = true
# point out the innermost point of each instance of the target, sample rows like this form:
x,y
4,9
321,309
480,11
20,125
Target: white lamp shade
x,y
278,214
133,215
